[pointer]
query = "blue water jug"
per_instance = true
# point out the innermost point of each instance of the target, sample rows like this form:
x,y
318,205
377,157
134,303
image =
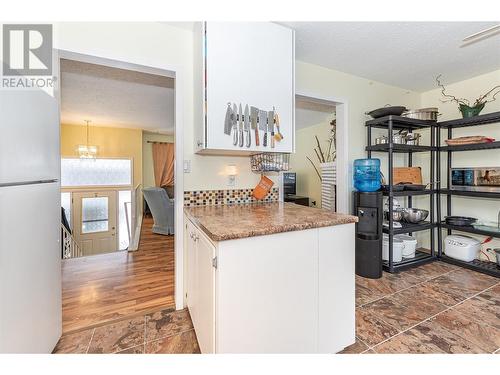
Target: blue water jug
x,y
366,174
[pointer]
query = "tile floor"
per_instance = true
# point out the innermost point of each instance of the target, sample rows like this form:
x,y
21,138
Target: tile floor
x,y
165,331
435,308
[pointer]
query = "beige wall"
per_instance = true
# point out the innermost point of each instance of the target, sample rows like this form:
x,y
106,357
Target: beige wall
x,y
471,89
362,95
308,182
148,177
112,142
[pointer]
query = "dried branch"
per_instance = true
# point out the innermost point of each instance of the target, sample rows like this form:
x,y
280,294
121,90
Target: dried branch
x,y
333,138
320,150
481,98
328,153
453,99
319,159
316,169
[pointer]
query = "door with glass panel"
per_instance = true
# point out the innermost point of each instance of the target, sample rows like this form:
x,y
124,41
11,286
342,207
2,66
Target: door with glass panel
x,y
95,222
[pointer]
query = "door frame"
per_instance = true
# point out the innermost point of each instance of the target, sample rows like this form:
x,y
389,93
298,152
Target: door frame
x,y
176,73
344,183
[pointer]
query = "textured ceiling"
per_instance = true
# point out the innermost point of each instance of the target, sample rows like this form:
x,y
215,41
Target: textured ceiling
x,y
116,97
403,54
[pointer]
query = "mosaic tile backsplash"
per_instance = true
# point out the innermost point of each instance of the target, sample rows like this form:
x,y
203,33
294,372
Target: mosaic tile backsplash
x,y
220,197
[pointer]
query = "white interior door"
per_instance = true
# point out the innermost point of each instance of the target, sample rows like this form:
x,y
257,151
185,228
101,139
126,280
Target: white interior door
x,y
95,221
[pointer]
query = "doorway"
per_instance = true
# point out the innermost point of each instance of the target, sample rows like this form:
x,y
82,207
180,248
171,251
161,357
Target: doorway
x,y
319,112
128,104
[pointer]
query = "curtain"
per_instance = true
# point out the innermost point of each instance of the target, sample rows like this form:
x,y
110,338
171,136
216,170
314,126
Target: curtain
x,y
163,164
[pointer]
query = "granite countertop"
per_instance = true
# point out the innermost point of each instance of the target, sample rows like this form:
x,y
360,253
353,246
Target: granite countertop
x,y
230,222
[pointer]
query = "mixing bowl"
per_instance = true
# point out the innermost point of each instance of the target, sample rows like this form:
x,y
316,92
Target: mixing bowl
x,y
414,215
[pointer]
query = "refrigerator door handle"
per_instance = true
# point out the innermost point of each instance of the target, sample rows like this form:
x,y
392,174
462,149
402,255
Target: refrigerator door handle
x,y
23,183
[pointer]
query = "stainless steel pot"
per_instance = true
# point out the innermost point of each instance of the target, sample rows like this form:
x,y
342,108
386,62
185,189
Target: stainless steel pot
x,y
399,139
413,139
427,114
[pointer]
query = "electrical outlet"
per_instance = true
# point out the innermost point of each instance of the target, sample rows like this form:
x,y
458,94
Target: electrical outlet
x,y
187,166
231,180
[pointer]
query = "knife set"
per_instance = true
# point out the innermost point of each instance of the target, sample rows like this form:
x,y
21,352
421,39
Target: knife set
x,y
242,123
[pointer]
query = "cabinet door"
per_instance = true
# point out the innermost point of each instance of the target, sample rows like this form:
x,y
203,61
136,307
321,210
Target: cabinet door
x,y
249,63
205,309
190,247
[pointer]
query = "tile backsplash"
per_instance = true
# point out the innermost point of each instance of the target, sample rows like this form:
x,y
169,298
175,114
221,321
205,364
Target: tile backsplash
x,y
220,197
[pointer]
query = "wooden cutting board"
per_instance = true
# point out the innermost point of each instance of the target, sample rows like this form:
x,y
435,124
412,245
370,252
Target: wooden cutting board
x,y
407,174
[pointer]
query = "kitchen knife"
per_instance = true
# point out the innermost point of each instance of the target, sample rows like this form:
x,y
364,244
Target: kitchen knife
x,y
270,120
278,136
263,123
254,113
240,126
235,124
228,120
271,127
246,126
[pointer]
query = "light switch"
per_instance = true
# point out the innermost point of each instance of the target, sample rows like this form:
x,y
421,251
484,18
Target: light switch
x,y
187,166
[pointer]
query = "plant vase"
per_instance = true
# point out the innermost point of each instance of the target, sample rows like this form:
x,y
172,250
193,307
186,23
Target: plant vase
x,y
328,185
471,111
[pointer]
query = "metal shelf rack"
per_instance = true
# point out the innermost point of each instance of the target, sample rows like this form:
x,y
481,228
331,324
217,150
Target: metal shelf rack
x,y
391,123
489,268
408,193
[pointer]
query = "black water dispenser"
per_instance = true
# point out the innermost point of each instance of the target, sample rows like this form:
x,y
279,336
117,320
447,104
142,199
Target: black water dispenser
x,y
368,208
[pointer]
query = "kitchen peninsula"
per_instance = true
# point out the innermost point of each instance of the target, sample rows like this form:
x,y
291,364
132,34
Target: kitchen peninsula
x,y
270,278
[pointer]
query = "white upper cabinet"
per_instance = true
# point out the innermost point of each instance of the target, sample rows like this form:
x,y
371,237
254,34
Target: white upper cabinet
x,y
247,63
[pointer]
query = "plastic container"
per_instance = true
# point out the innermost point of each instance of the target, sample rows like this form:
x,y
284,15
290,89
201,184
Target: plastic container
x,y
397,249
410,245
366,175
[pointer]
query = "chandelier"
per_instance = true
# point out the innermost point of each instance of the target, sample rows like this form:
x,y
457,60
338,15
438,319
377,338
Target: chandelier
x,y
87,151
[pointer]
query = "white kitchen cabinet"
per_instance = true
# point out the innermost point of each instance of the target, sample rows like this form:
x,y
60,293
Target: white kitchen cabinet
x,y
243,62
201,286
290,292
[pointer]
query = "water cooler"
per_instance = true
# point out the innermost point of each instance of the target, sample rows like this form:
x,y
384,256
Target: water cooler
x,y
368,208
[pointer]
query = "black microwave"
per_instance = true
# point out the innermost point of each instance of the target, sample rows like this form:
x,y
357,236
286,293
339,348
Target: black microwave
x,y
476,179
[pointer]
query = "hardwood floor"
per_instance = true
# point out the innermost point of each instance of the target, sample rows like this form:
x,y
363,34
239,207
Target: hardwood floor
x,y
104,288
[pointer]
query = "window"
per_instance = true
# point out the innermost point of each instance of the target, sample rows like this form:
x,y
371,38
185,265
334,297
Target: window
x,y
96,172
95,215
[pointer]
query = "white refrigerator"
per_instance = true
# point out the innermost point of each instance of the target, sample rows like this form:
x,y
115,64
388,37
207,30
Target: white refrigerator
x,y
30,222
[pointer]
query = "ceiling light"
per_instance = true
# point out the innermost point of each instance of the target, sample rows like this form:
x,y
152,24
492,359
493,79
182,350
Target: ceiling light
x,y
486,33
87,151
